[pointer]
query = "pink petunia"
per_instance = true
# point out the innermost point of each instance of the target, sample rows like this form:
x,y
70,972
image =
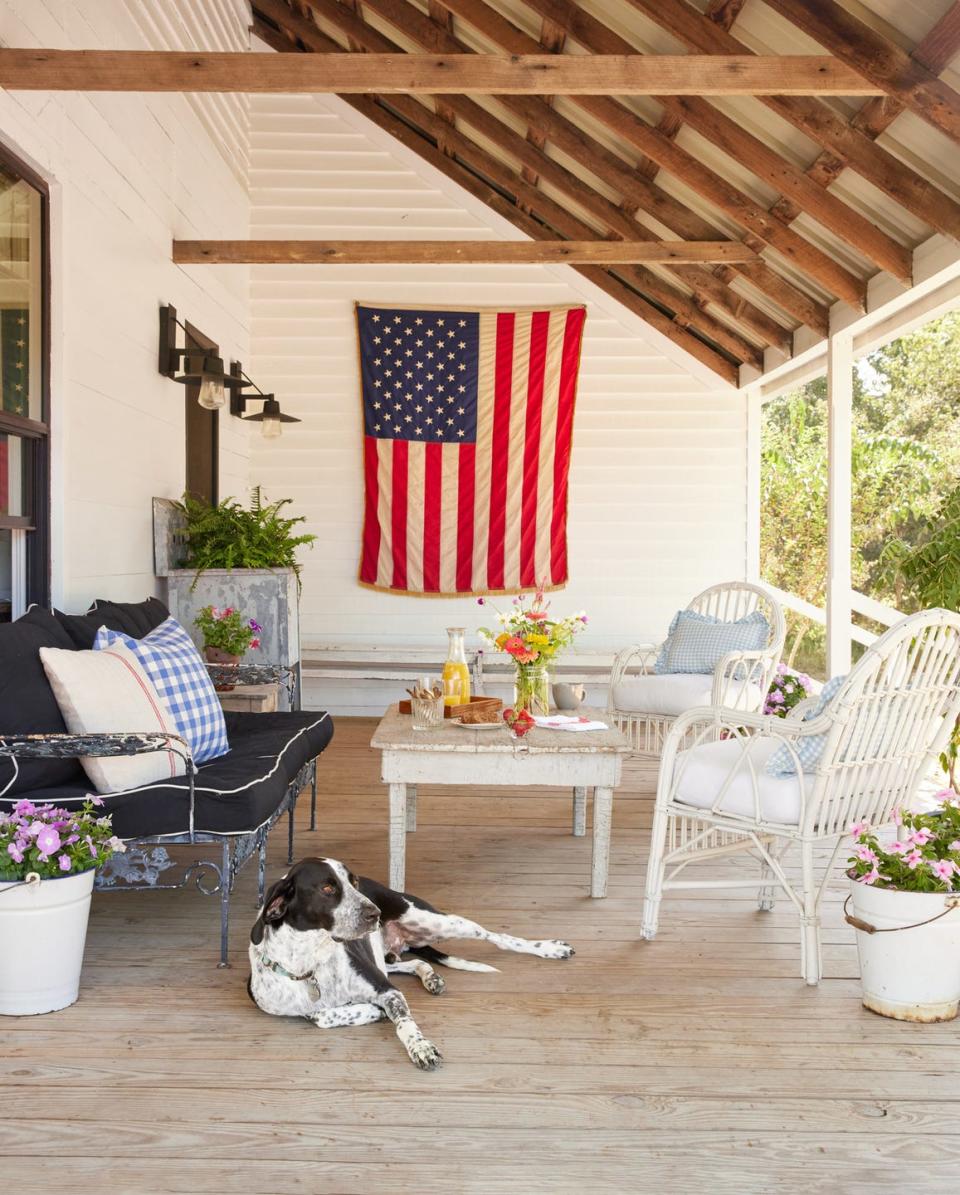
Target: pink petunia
x,y
48,840
954,846
858,829
943,869
14,851
898,848
866,855
869,877
920,837
64,862
913,859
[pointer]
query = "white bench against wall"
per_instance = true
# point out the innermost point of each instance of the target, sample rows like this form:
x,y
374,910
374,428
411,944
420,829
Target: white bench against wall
x,y
364,680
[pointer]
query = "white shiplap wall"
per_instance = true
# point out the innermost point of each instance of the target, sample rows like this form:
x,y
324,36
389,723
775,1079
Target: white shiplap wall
x,y
658,480
127,174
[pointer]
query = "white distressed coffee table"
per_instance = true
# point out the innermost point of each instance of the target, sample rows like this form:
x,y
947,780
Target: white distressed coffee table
x,y
457,755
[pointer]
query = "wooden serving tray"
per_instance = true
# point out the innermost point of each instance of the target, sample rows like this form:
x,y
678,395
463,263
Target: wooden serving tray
x,y
454,711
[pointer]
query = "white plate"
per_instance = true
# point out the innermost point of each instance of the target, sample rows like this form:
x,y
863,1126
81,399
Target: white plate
x,y
480,725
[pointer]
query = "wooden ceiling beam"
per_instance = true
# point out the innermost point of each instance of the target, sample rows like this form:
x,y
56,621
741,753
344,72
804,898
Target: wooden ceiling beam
x,y
816,120
711,186
878,59
842,220
618,174
724,12
391,252
28,69
681,317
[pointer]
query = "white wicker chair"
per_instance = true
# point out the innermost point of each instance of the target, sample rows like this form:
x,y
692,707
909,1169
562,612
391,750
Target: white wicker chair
x,y
646,705
885,728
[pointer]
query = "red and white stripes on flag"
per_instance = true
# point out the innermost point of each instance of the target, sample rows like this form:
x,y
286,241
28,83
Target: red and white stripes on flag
x,y
468,420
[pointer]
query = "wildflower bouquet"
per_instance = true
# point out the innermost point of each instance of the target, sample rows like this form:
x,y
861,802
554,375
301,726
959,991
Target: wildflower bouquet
x,y
54,842
787,689
227,630
924,856
532,639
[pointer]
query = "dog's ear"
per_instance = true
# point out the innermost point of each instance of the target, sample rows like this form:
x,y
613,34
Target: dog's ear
x,y
278,898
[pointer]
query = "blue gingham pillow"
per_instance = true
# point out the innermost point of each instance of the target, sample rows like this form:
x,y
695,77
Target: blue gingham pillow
x,y
170,658
808,749
698,642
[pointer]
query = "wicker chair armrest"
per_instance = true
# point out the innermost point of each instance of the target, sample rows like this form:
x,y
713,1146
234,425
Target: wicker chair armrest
x,y
621,661
801,709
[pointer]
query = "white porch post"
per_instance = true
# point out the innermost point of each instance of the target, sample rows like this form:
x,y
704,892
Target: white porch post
x,y
839,495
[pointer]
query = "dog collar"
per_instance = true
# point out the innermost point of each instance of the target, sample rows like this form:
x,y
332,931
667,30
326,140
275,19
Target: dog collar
x,y
307,977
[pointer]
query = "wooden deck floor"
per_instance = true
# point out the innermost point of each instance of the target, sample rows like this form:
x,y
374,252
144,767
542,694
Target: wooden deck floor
x,y
699,1062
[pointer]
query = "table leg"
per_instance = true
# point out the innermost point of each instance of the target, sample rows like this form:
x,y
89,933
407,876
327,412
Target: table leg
x,y
411,808
398,832
579,812
602,819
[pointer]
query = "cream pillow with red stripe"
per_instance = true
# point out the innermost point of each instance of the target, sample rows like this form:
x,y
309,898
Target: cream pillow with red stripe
x,y
108,692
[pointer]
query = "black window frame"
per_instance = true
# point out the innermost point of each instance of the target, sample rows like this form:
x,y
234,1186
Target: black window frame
x,y
35,433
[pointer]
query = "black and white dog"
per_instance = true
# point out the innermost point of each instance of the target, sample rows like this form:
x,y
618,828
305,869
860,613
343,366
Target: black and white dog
x,y
325,942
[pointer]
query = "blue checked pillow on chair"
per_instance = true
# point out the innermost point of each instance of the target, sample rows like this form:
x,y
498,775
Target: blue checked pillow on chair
x,y
698,642
809,749
170,659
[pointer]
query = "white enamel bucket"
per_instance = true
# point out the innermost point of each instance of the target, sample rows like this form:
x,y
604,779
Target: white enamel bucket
x,y
43,928
910,963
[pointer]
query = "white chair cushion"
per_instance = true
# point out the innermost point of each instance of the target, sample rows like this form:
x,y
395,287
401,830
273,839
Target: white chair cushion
x,y
676,693
702,771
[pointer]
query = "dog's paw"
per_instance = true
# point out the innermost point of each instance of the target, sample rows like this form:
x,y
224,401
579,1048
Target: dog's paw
x,y
555,949
434,984
424,1054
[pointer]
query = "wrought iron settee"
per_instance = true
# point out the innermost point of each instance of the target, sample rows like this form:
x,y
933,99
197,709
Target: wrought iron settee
x,y
231,803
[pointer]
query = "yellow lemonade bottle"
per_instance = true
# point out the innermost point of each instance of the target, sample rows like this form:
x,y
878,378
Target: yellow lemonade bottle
x,y
456,673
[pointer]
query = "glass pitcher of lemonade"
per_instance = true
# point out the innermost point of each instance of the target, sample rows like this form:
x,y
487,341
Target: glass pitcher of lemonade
x,y
456,673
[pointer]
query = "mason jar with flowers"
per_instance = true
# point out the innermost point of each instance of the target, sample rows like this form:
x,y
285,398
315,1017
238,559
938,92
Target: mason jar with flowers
x,y
533,639
905,905
48,857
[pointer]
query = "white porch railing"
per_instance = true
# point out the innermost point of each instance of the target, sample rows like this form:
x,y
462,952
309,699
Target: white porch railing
x,y
859,602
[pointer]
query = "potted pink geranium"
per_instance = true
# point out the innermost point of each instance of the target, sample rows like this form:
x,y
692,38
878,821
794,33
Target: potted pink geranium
x,y
905,897
48,858
227,636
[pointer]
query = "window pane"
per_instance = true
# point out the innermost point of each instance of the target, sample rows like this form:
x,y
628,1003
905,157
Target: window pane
x,y
6,574
21,381
14,472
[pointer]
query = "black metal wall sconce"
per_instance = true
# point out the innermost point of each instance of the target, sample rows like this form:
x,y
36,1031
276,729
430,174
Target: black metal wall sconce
x,y
197,367
205,369
270,417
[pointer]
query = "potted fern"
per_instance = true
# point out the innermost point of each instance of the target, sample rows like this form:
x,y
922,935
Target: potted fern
x,y
244,557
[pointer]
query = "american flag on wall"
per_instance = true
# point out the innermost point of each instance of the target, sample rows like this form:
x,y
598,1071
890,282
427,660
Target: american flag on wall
x,y
468,420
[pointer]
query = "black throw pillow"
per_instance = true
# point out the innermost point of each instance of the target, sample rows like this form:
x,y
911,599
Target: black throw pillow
x,y
27,703
82,628
133,618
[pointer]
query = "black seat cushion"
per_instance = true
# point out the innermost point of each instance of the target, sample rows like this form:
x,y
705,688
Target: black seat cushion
x,y
132,618
27,703
234,794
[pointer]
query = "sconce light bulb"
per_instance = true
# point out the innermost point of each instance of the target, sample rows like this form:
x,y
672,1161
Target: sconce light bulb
x,y
270,428
212,395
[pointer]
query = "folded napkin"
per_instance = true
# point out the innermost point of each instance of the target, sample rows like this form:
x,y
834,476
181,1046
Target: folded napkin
x,y
567,722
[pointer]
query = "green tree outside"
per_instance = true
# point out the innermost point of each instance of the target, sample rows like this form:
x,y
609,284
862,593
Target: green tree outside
x,y
905,467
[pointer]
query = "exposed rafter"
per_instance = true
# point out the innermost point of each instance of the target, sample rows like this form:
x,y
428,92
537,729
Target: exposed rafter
x,y
845,222
878,59
819,122
940,45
